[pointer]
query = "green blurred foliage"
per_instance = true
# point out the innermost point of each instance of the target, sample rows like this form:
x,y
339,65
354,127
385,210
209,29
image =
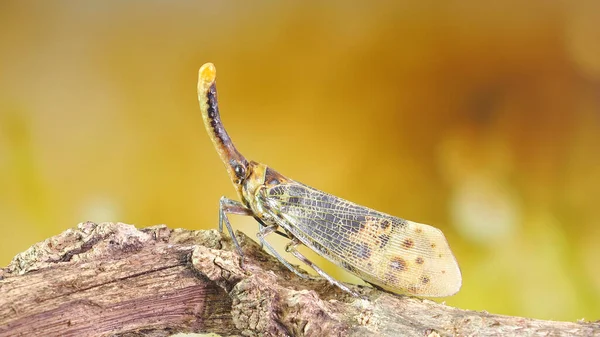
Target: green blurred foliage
x,y
481,119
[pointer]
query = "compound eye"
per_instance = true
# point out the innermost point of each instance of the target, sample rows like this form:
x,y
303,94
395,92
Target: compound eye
x,y
240,171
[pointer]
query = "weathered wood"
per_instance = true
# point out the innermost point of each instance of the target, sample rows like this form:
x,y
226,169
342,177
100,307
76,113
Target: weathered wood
x,y
113,279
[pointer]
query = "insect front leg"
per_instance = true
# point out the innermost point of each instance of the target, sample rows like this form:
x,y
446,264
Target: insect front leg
x,y
228,206
266,230
292,249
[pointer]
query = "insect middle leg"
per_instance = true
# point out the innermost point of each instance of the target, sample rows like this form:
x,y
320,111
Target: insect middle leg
x,y
228,206
266,230
292,249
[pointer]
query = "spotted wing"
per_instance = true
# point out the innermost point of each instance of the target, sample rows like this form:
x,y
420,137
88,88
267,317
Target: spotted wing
x,y
395,254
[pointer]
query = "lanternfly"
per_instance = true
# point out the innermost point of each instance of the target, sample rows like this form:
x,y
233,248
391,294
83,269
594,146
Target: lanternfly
x,y
389,252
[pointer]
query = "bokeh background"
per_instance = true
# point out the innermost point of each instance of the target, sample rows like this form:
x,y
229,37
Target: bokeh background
x,y
482,119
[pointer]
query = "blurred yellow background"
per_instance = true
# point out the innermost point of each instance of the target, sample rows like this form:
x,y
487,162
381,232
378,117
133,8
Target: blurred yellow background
x,y
480,119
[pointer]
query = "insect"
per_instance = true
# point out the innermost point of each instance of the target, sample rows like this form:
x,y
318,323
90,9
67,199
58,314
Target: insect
x,y
388,252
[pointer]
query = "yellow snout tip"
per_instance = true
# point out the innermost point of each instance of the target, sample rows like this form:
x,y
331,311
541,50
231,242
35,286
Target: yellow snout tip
x,y
206,75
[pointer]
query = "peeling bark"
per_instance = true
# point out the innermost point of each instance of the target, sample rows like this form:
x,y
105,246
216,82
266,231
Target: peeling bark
x,y
115,280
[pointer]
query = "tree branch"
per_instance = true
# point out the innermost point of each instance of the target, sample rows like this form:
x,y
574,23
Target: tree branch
x,y
113,279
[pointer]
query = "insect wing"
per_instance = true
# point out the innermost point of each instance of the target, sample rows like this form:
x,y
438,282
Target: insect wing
x,y
390,252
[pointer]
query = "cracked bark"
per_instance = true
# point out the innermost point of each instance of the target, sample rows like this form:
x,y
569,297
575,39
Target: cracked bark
x,y
115,280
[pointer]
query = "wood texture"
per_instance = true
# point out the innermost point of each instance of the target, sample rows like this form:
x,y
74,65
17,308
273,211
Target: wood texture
x,y
115,280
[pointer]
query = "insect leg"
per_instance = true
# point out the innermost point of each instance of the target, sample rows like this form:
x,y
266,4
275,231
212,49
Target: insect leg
x,y
266,230
228,206
291,248
262,224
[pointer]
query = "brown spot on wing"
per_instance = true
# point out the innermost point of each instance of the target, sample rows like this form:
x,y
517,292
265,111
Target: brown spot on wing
x,y
385,224
374,230
425,279
419,260
398,263
408,243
